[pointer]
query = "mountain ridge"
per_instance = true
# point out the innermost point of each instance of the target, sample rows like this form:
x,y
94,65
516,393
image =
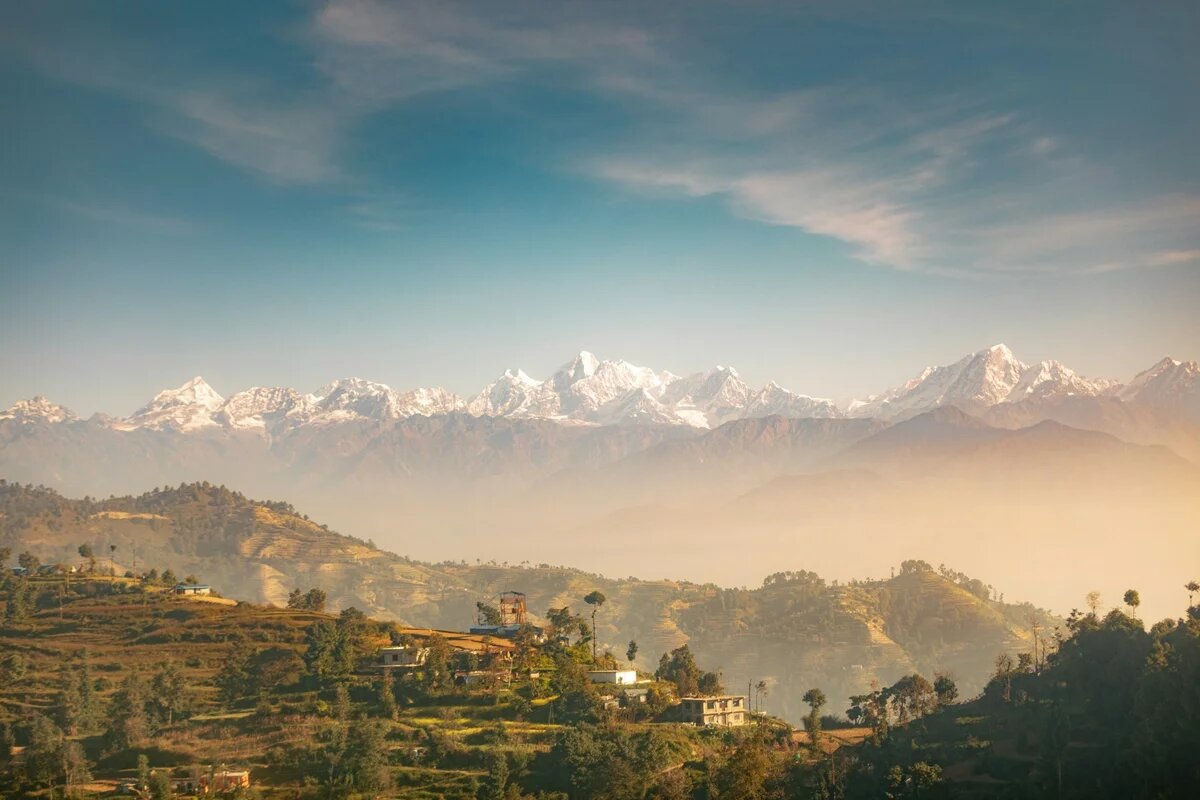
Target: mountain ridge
x,y
590,391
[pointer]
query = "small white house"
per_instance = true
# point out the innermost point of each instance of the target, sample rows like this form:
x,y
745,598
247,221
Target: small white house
x,y
192,588
622,677
403,657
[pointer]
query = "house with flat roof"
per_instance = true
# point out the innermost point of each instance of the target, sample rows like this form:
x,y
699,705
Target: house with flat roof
x,y
724,711
193,588
622,677
402,657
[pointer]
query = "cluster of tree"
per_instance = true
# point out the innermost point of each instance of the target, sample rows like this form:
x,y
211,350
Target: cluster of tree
x,y
140,709
679,667
588,761
1111,712
909,698
312,600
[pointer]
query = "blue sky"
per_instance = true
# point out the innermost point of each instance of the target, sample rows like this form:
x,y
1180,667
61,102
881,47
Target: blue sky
x,y
829,195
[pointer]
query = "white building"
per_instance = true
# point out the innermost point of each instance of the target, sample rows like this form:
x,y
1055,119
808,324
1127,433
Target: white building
x,y
193,588
403,657
622,677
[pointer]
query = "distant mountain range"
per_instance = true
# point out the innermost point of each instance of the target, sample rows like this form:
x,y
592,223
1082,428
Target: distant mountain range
x,y
1002,468
591,391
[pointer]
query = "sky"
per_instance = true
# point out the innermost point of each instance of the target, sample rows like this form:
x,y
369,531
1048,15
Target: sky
x,y
828,195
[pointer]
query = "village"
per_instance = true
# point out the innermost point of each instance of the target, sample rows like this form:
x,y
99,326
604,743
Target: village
x,y
536,679
485,656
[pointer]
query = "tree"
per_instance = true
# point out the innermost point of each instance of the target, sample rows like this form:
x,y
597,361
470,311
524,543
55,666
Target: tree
x,y
495,786
235,678
812,722
160,785
487,615
19,604
912,697
679,667
710,684
631,652
143,771
28,561
5,555
615,764
577,700
387,696
129,725
1192,587
312,600
436,673
168,695
1093,601
595,599
69,705
945,689
760,691
745,774
13,668
7,742
85,551
1133,600
914,778
365,762
274,667
43,754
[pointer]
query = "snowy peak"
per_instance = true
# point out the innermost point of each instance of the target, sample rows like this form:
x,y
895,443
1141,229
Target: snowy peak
x,y
774,400
514,394
589,390
606,381
977,382
261,408
580,367
427,402
188,407
35,410
637,407
1169,385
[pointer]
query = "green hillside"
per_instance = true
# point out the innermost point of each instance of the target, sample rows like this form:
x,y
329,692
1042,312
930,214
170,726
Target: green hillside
x,y
97,672
1113,712
794,632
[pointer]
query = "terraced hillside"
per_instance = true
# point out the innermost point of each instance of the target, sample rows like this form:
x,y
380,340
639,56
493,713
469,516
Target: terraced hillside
x,y
795,631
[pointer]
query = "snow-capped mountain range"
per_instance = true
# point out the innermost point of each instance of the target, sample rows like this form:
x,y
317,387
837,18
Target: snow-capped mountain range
x,y
591,391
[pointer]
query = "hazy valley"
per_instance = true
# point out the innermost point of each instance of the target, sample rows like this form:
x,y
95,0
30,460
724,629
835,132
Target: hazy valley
x,y
1005,470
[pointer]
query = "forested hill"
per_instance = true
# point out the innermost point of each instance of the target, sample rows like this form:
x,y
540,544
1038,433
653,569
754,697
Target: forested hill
x,y
795,631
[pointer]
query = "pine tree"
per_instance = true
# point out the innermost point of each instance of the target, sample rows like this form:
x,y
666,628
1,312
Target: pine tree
x,y
129,724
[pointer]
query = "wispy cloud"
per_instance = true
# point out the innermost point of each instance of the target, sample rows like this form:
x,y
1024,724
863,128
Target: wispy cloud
x,y
907,177
911,182
110,212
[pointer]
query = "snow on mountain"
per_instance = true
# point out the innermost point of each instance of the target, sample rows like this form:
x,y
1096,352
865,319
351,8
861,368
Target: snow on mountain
x,y
514,394
594,391
977,382
428,402
591,391
1169,385
709,399
260,408
37,409
190,407
586,384
1048,379
637,407
773,399
351,399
